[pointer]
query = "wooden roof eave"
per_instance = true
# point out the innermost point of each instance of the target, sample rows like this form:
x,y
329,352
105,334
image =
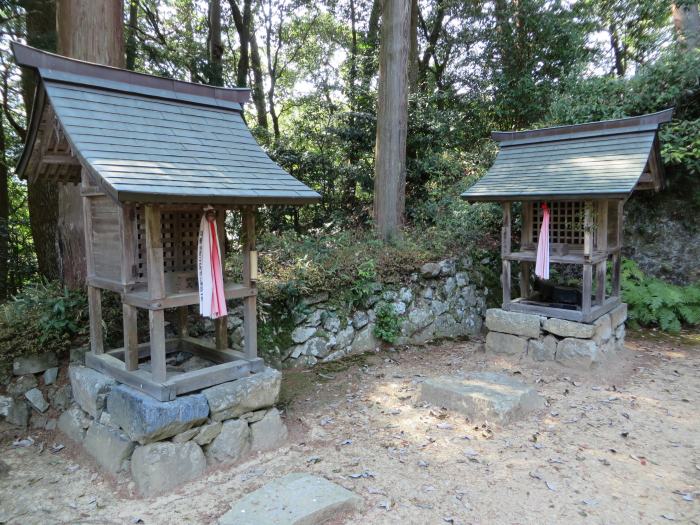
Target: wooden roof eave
x,y
153,198
33,131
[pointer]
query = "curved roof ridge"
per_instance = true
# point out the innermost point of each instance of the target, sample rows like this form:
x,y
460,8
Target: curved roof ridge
x,y
60,68
648,122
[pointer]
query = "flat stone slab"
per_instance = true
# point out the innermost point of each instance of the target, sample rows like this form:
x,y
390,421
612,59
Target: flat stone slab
x,y
33,364
489,396
295,499
515,323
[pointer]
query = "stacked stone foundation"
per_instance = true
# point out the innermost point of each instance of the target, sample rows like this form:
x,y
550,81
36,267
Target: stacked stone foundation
x,y
542,339
164,444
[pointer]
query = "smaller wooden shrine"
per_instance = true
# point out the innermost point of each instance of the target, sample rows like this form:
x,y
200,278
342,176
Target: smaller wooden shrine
x,y
584,173
151,155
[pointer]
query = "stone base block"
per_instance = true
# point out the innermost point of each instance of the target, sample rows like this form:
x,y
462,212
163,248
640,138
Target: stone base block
x,y
482,396
568,343
160,467
164,444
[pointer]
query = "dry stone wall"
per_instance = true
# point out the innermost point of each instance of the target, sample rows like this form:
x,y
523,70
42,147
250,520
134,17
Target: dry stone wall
x,y
443,300
570,344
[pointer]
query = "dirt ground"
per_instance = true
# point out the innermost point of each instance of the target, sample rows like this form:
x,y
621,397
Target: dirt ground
x,y
619,445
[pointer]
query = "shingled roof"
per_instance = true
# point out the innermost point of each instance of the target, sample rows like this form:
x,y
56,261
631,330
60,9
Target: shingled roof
x,y
144,138
607,159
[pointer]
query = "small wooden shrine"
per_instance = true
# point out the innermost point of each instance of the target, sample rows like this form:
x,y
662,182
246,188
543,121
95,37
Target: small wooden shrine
x,y
150,154
584,173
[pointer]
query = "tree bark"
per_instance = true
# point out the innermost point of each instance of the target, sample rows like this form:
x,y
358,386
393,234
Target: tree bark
x,y
92,31
241,20
686,20
42,195
131,46
4,214
432,38
216,48
618,52
392,116
258,81
371,42
413,51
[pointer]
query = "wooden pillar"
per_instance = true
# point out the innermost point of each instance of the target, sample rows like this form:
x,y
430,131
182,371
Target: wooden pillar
x,y
131,340
505,252
94,294
617,257
95,312
156,290
525,270
220,324
182,313
250,323
601,246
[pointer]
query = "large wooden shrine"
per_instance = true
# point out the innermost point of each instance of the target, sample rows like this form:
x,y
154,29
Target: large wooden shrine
x,y
150,155
584,174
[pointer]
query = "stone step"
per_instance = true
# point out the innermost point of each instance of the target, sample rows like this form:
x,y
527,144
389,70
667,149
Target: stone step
x,y
295,499
482,396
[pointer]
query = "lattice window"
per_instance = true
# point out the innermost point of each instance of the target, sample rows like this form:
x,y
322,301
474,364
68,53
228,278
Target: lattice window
x,y
179,231
565,221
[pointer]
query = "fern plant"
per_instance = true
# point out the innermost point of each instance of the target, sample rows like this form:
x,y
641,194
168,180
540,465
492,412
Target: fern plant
x,y
652,301
388,325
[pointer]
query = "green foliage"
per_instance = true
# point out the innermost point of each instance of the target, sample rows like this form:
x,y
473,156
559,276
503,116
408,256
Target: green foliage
x,y
387,326
43,317
670,81
654,302
46,317
363,286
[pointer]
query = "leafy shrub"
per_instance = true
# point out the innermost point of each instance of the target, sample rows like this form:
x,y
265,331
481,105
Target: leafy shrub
x,y
46,317
387,326
652,301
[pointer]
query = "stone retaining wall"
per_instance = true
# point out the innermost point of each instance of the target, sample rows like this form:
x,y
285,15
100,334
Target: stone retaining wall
x,y
164,444
571,344
443,300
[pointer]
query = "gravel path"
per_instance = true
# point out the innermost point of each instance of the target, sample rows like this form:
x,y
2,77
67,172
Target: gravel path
x,y
620,445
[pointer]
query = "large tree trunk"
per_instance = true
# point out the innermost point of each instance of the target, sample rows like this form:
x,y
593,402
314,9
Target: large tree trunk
x,y
92,31
686,20
42,195
4,214
392,116
413,50
131,46
216,48
241,20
